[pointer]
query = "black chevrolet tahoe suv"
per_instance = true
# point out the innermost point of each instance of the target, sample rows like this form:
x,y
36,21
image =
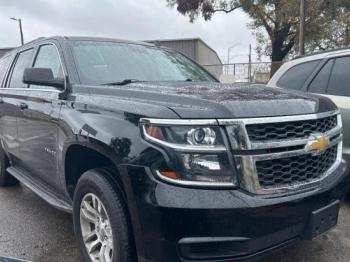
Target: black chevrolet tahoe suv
x,y
158,161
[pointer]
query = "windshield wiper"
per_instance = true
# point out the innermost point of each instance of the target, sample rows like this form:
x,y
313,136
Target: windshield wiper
x,y
123,82
130,81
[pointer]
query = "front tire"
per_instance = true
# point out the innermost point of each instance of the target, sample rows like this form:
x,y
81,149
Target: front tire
x,y
5,178
100,220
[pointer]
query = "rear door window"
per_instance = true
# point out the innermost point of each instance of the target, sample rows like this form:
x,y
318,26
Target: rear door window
x,y
339,83
23,61
296,76
320,82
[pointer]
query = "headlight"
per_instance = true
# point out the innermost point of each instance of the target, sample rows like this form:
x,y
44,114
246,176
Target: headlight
x,y
198,153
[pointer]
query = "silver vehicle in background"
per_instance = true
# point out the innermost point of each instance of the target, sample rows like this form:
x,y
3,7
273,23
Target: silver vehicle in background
x,y
326,73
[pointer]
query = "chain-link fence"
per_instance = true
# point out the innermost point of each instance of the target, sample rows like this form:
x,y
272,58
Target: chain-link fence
x,y
257,72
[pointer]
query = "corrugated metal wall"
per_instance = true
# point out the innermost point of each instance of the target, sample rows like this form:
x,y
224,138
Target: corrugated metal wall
x,y
187,47
207,56
195,49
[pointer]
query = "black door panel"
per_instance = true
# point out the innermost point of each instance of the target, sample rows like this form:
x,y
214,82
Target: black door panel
x,y
8,124
37,135
10,99
38,122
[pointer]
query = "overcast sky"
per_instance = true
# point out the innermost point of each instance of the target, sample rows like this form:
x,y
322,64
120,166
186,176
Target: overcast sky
x,y
125,19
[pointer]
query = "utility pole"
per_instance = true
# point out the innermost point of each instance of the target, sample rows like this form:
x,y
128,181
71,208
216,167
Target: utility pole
x,y
250,64
229,56
20,28
302,28
228,60
21,31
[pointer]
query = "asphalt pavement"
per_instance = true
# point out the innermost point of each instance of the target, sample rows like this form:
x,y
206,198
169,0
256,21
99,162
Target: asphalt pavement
x,y
31,229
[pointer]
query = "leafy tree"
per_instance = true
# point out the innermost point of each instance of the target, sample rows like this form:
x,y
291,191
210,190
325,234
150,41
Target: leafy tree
x,y
275,22
335,31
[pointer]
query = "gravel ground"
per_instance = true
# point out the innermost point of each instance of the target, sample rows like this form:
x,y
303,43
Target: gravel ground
x,y
31,229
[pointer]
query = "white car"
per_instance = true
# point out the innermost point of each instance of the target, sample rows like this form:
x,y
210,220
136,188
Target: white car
x,y
326,73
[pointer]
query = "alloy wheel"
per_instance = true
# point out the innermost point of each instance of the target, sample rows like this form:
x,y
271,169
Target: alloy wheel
x,y
96,229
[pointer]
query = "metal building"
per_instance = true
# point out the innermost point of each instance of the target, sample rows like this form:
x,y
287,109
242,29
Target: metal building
x,y
3,51
196,49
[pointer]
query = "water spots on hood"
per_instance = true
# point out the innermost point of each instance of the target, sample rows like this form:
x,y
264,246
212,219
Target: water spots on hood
x,y
208,100
217,91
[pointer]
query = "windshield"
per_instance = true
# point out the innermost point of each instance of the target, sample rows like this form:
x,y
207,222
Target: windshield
x,y
110,62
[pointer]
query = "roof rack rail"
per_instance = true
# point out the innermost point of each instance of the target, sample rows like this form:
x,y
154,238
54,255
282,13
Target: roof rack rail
x,y
36,39
322,52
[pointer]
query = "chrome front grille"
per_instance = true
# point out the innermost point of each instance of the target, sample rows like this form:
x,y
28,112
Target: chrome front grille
x,y
273,154
290,130
294,170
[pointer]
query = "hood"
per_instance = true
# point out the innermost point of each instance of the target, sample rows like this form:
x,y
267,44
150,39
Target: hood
x,y
216,100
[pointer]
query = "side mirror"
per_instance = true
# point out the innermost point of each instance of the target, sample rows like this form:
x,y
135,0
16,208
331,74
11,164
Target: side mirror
x,y
42,77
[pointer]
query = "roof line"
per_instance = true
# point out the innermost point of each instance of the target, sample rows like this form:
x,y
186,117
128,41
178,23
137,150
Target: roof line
x,y
172,39
8,48
322,52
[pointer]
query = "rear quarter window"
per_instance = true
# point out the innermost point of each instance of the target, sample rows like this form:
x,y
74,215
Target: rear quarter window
x,y
296,76
320,82
339,83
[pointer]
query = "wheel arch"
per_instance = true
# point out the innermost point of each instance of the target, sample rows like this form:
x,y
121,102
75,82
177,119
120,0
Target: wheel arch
x,y
78,157
109,157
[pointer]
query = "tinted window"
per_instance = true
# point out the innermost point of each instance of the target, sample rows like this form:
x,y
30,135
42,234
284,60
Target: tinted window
x,y
320,82
339,83
3,68
296,76
23,61
48,57
106,62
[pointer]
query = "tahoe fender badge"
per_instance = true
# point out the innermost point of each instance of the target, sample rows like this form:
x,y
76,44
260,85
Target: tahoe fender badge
x,y
49,151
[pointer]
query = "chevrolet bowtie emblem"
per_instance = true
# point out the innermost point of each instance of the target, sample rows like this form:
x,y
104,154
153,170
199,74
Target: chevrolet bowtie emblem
x,y
318,144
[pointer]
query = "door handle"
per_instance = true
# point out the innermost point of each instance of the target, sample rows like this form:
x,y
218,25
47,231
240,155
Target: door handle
x,y
23,106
